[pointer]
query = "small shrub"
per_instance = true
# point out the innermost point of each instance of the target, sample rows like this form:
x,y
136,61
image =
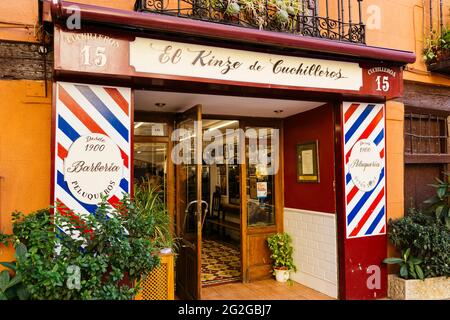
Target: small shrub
x,y
281,248
102,256
425,239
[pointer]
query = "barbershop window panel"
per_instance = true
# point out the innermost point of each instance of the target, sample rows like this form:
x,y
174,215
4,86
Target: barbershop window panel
x,y
150,166
260,180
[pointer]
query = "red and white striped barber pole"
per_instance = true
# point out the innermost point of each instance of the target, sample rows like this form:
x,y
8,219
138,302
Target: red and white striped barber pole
x,y
364,156
92,145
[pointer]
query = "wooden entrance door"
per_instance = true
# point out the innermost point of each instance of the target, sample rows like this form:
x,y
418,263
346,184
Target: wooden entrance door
x,y
262,199
188,169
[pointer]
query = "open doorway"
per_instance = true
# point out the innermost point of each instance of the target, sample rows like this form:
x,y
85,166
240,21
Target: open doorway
x,y
221,236
228,242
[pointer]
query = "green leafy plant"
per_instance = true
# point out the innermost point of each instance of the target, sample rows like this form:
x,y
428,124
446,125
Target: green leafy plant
x,y
150,204
439,205
102,256
425,239
11,284
437,47
280,245
409,265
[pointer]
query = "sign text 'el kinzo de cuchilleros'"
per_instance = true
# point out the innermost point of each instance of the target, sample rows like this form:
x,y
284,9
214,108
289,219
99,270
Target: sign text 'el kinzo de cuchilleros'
x,y
200,61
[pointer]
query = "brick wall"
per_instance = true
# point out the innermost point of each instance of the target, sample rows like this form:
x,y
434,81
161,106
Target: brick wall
x,y
315,249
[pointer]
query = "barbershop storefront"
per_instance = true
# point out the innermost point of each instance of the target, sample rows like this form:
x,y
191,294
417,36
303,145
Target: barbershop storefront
x,y
270,131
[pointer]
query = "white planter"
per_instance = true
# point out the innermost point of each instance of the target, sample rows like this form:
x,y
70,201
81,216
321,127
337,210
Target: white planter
x,y
281,275
429,289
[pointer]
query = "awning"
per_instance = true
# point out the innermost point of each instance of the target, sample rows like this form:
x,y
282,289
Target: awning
x,y
60,11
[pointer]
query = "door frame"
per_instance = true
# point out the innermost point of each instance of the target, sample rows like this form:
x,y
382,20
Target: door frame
x,y
168,119
172,194
187,247
246,232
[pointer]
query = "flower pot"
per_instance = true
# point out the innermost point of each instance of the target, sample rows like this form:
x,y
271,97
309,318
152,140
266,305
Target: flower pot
x,y
281,275
429,289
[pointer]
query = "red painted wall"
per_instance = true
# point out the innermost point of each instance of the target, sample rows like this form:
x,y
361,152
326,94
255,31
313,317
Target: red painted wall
x,y
316,124
360,259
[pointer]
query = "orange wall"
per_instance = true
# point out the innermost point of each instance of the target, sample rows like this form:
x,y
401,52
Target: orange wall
x,y
18,20
25,122
404,25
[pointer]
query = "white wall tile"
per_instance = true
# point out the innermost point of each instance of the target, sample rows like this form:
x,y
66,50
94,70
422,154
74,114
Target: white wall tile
x,y
315,251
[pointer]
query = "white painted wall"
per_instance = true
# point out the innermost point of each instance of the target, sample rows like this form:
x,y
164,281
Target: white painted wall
x,y
315,249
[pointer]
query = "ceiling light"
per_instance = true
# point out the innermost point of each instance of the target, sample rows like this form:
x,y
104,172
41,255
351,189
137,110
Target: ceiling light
x,y
160,104
226,124
278,111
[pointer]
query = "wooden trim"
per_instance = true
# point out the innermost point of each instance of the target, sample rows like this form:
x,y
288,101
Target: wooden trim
x,y
199,142
280,178
427,158
244,211
170,179
131,145
53,146
340,196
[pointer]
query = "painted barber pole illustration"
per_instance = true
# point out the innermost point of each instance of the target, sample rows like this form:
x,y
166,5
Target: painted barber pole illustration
x,y
92,145
364,156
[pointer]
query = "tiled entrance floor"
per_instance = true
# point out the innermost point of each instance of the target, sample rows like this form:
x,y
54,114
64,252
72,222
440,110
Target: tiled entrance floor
x,y
262,290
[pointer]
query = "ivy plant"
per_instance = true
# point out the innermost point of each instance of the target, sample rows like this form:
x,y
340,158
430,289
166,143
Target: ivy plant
x,y
280,245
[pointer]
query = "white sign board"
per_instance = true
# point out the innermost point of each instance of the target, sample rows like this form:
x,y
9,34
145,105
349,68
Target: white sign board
x,y
93,167
199,61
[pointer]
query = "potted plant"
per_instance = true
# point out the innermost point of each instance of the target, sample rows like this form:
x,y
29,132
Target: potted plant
x,y
281,254
150,204
425,263
436,53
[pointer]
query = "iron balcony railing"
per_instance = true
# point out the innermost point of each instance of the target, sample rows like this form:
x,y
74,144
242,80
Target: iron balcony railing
x,y
329,19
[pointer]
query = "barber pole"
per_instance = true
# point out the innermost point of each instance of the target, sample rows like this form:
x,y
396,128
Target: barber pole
x,y
92,144
364,154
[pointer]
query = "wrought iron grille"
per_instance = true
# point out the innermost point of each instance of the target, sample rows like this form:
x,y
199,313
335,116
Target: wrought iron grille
x,y
426,134
329,19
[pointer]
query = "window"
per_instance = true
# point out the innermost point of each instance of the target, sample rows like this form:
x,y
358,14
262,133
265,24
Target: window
x,y
260,182
426,134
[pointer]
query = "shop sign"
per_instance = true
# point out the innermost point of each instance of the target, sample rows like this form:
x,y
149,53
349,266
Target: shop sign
x,y
93,168
200,61
91,145
122,55
365,165
364,157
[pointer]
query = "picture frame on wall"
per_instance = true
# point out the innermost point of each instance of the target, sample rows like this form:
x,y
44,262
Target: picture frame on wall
x,y
308,162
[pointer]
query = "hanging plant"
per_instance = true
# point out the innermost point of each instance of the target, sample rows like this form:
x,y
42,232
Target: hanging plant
x,y
290,10
282,16
233,8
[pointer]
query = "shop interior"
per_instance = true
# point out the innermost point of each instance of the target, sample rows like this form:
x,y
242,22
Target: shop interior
x,y
221,183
